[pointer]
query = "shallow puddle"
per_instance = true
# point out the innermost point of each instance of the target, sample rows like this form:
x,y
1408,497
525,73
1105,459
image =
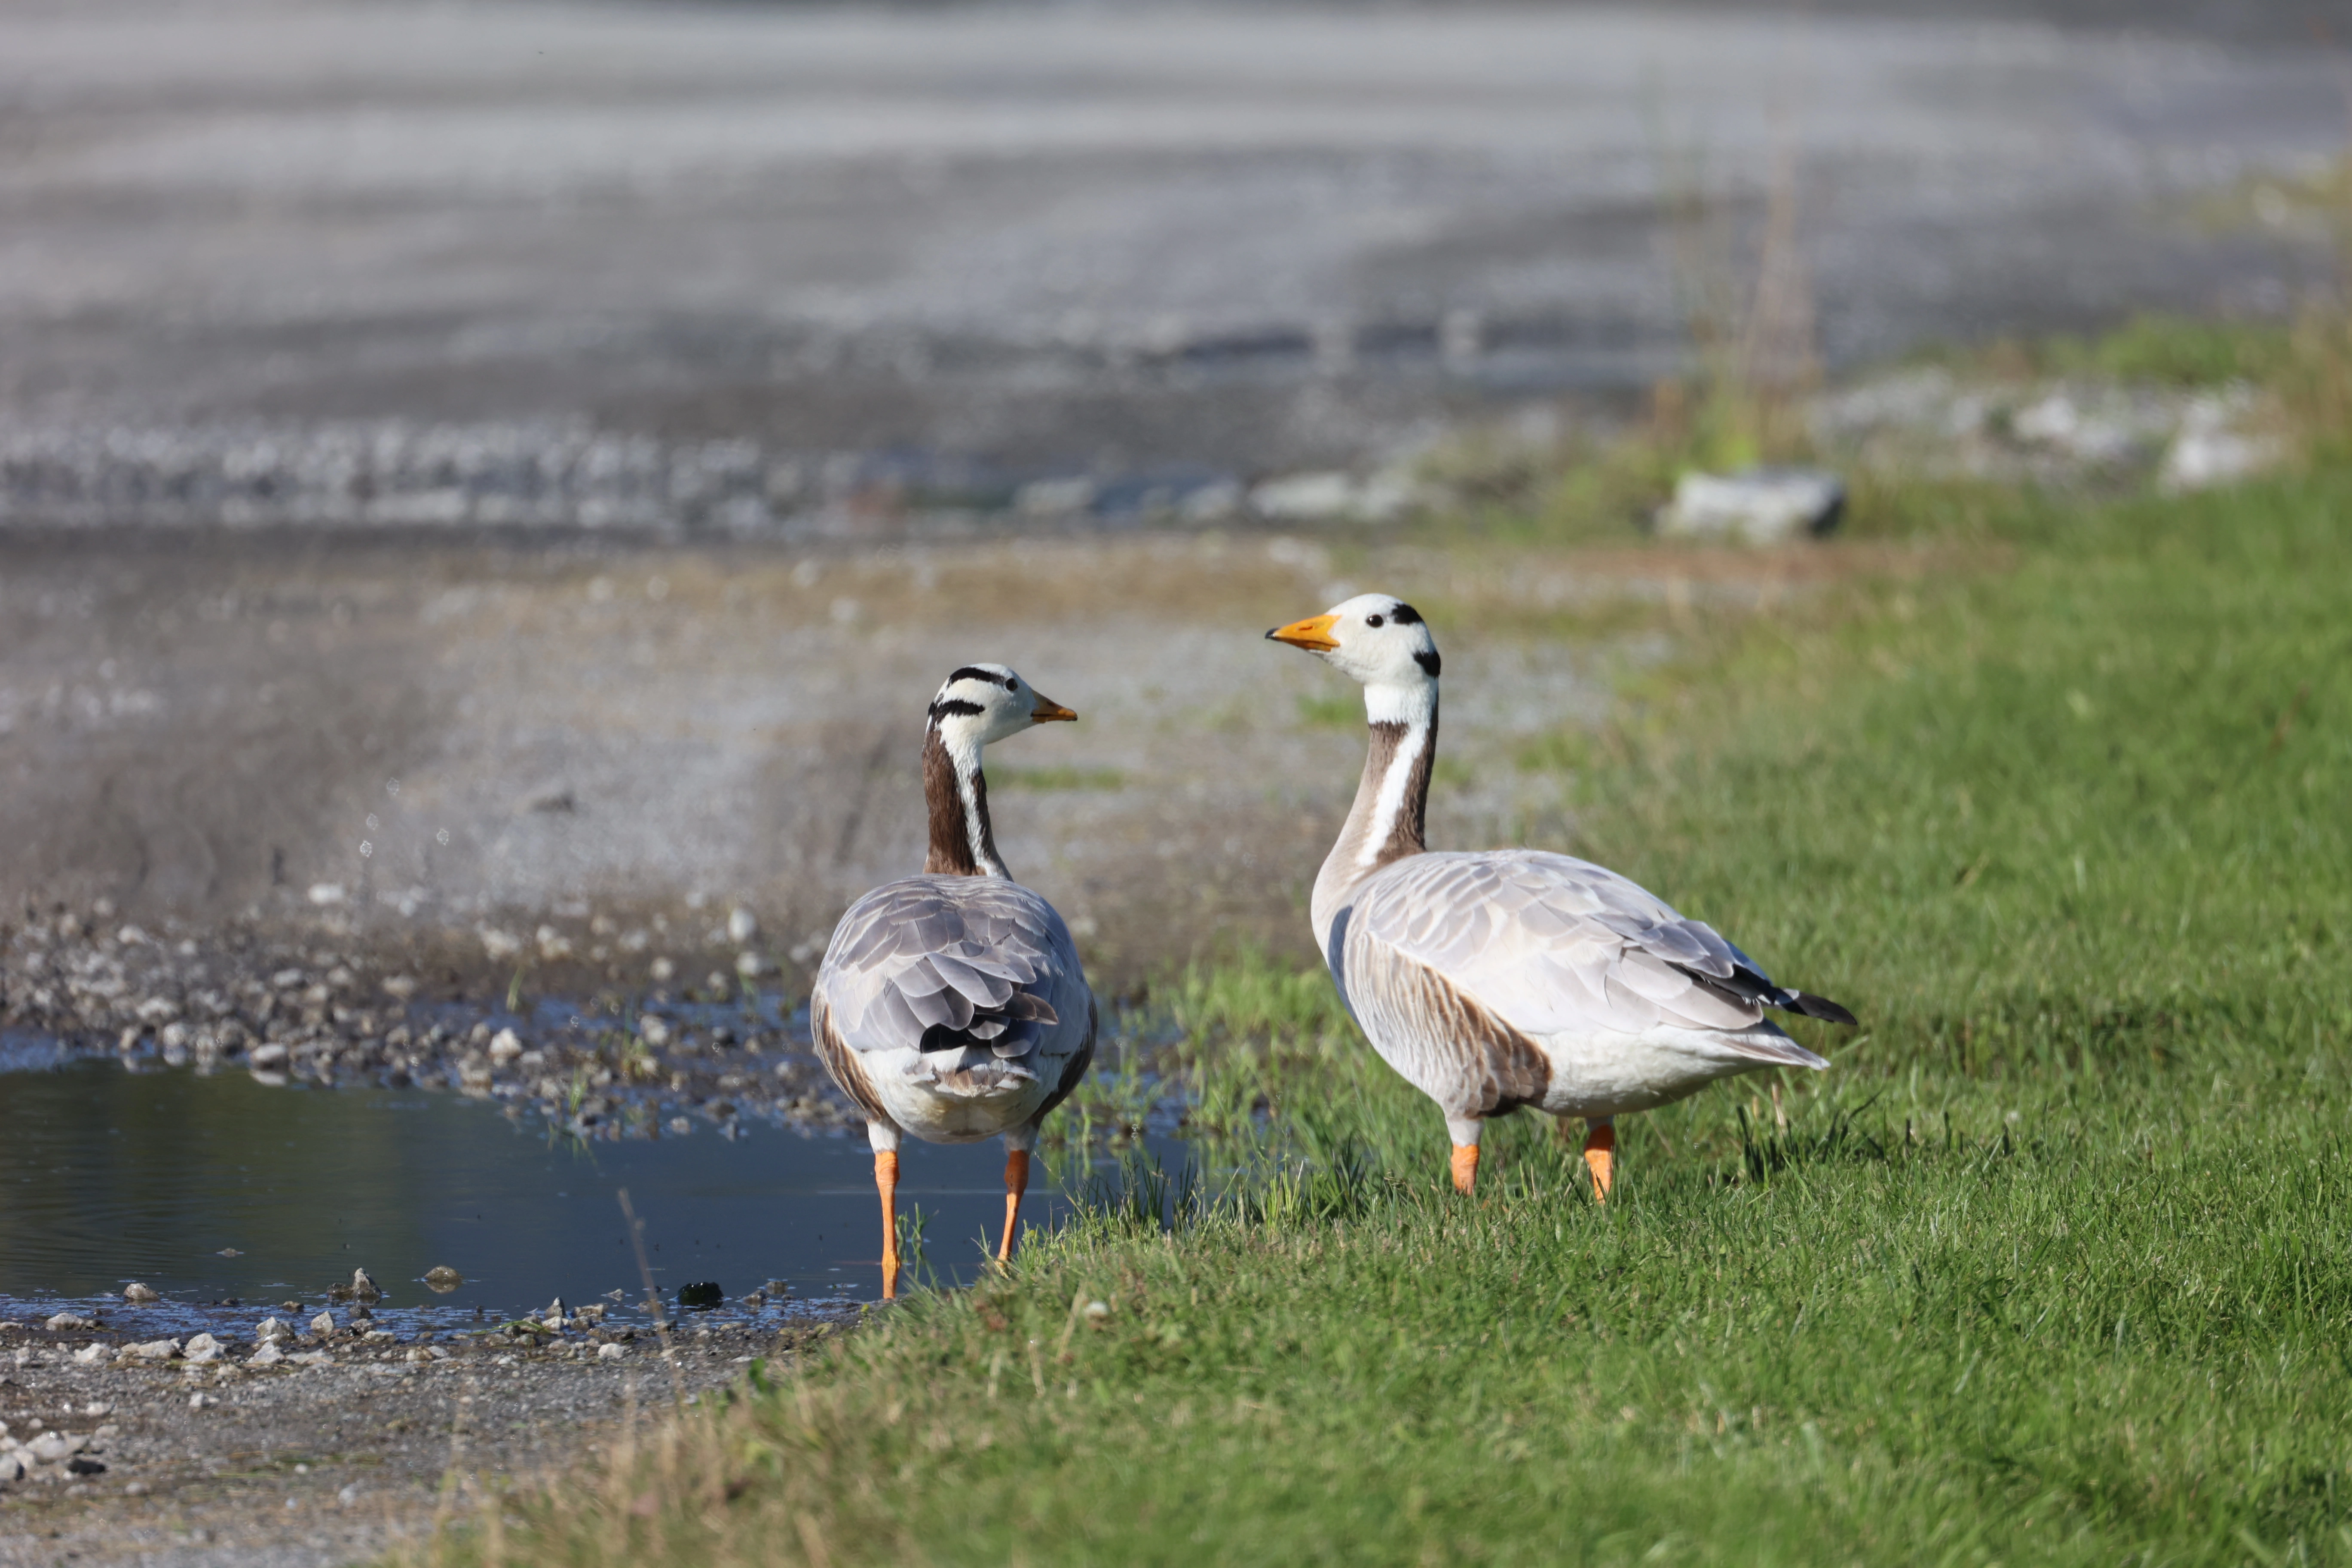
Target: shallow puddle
x,y
219,1189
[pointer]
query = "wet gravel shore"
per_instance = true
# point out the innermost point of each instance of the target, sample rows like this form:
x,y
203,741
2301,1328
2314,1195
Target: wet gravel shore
x,y
339,1447
602,1060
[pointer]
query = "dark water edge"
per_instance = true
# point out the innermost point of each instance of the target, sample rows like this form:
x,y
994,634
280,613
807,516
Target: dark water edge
x,y
227,1194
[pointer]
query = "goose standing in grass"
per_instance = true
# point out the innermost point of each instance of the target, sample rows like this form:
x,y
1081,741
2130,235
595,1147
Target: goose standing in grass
x,y
1514,977
952,1004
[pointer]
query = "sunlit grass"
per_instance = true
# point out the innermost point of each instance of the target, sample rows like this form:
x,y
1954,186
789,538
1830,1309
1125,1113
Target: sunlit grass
x,y
2054,1266
1046,780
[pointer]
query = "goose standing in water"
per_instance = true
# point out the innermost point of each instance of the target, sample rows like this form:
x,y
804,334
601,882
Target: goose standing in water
x,y
952,1004
1510,977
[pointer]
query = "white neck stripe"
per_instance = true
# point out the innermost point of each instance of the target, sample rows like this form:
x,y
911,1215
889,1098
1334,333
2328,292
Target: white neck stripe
x,y
1389,802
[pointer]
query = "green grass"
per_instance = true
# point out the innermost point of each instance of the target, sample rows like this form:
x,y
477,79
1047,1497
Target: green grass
x,y
2054,1266
1058,779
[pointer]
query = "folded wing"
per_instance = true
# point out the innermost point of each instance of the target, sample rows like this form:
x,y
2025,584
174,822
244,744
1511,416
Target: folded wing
x,y
1552,944
951,963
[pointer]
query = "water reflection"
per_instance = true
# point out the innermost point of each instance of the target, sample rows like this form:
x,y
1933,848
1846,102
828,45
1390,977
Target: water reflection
x,y
218,1188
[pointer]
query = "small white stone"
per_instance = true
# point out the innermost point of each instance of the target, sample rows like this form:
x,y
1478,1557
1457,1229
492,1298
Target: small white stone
x,y
267,1056
1760,505
742,925
202,1348
272,1329
325,1323
156,1350
140,1294
611,1352
268,1356
505,1046
65,1320
91,1354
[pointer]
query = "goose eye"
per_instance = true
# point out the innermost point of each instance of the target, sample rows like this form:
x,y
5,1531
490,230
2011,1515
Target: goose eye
x,y
1373,620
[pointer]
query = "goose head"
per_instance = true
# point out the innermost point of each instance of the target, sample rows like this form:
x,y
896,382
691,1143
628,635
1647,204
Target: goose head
x,y
1377,639
985,702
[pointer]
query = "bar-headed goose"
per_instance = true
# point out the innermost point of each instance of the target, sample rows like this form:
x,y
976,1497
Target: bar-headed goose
x,y
952,1004
1511,977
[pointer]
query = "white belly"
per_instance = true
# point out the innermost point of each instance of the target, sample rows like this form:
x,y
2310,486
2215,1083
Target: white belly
x,y
1601,1074
952,1110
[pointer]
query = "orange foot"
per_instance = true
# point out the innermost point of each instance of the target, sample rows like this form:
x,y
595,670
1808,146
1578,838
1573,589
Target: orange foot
x,y
885,1182
1016,1182
1601,1157
1466,1167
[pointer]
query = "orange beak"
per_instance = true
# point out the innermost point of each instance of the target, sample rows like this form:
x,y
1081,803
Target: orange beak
x,y
1313,634
1047,711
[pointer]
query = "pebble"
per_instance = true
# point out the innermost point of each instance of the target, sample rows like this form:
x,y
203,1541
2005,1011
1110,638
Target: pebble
x,y
268,1356
505,1047
323,1324
12,1468
443,1278
65,1320
364,1288
312,1358
202,1348
50,1446
141,1295
156,1350
611,1352
272,1329
267,1056
90,1353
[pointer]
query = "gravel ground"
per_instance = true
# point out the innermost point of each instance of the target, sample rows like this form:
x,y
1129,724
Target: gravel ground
x,y
335,1454
715,1047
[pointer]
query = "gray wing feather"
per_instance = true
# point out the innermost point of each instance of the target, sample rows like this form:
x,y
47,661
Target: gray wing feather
x,y
1549,944
985,959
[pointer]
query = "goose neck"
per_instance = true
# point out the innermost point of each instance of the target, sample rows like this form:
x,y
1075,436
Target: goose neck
x,y
955,792
1388,819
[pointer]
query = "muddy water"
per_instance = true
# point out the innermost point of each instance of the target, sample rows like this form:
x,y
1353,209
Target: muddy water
x,y
215,1189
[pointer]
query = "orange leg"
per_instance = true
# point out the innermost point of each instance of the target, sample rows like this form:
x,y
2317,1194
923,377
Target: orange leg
x,y
885,1182
1600,1158
1466,1167
1016,1182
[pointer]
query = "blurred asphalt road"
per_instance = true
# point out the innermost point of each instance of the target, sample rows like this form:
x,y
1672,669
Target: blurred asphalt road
x,y
1108,235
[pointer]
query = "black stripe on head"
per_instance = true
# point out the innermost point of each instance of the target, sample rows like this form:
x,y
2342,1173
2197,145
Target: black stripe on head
x,y
1429,661
1406,616
974,672
956,708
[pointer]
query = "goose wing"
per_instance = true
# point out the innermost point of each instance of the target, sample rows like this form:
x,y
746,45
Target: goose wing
x,y
1550,944
974,964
